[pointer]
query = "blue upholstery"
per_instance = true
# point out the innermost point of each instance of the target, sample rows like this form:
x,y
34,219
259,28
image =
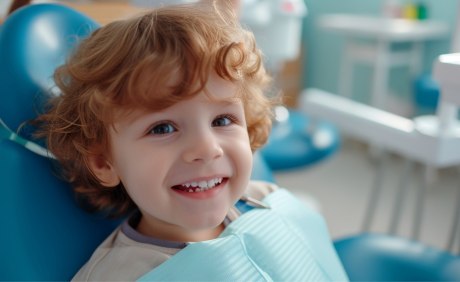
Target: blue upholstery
x,y
45,235
299,141
375,257
33,41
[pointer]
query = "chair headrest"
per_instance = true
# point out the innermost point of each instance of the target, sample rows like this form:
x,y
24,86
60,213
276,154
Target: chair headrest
x,y
34,41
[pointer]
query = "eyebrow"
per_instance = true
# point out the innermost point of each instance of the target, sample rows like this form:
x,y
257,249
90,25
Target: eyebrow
x,y
229,101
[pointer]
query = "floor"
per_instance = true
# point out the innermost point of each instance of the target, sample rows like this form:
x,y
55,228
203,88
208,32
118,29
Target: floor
x,y
340,187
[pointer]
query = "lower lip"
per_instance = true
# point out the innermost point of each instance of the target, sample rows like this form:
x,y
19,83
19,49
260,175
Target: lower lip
x,y
204,194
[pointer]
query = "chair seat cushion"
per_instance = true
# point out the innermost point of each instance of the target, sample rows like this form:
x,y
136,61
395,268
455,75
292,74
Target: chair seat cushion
x,y
375,257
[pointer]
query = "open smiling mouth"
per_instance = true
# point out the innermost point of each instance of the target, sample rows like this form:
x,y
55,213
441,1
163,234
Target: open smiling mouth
x,y
200,186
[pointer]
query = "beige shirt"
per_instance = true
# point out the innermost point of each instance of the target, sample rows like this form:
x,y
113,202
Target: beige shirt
x,y
121,258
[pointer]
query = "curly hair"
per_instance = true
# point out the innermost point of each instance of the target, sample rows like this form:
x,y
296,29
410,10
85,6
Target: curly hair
x,y
125,65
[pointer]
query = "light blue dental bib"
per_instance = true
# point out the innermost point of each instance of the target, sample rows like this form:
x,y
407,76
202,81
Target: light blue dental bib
x,y
288,242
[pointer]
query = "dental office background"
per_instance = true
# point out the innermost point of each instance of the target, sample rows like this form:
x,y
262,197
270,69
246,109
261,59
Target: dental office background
x,y
323,49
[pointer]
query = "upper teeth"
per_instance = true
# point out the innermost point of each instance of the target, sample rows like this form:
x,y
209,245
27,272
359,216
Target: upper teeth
x,y
204,185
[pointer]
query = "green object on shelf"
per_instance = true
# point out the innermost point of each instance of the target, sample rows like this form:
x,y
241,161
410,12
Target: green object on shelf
x,y
422,11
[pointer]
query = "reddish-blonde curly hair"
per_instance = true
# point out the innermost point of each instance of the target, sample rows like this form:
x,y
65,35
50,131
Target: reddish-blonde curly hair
x,y
125,65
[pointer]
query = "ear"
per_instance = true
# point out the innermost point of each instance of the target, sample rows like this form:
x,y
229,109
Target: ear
x,y
103,170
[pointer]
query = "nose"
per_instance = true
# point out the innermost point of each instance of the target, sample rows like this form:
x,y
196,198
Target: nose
x,y
202,146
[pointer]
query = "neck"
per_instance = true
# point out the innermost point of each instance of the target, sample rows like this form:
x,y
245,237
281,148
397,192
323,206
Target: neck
x,y
172,233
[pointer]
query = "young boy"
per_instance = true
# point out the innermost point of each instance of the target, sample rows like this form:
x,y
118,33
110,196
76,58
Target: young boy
x,y
158,119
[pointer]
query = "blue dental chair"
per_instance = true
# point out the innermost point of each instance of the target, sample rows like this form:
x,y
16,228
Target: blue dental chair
x,y
45,235
380,257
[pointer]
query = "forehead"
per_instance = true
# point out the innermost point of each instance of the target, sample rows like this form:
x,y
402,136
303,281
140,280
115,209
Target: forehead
x,y
217,91
217,84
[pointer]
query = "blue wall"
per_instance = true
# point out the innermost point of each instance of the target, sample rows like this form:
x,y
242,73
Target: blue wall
x,y
323,48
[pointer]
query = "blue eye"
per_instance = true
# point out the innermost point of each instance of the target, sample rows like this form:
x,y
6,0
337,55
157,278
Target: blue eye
x,y
222,121
163,128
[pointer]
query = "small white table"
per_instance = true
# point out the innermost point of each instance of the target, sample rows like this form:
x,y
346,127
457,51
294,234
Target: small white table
x,y
383,32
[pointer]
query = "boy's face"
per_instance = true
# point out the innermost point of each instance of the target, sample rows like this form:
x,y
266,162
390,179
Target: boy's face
x,y
187,165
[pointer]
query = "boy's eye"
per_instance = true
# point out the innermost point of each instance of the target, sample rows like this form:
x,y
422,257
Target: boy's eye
x,y
164,128
222,121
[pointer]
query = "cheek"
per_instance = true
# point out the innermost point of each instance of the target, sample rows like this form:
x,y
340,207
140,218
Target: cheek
x,y
244,169
247,155
243,153
142,180
136,165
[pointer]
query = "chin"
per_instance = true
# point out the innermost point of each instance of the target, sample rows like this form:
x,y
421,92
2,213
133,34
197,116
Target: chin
x,y
206,222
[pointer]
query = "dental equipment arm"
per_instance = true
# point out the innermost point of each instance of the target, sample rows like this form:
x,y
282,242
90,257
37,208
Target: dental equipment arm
x,y
416,139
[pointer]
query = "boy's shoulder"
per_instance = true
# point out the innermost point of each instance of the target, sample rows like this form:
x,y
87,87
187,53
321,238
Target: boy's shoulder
x,y
113,259
259,189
